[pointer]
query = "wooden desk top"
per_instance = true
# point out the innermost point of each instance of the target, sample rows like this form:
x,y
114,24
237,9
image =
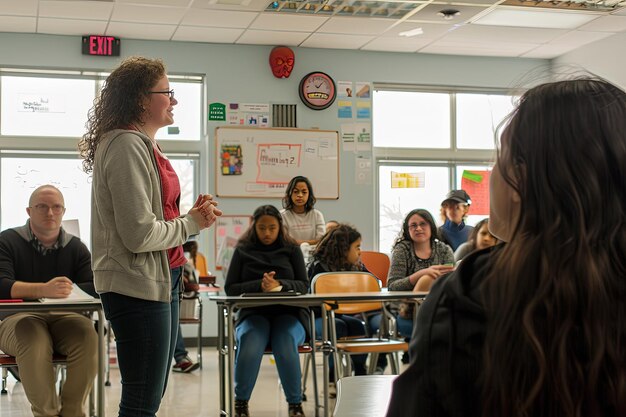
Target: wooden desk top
x,y
366,395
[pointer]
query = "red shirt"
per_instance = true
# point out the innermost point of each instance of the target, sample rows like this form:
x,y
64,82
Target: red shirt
x,y
171,197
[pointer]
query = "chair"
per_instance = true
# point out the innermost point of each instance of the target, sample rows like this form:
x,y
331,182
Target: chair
x,y
377,263
355,282
191,313
59,361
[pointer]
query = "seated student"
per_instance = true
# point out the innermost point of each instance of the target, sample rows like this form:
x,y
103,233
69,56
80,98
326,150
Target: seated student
x,y
39,260
304,223
454,209
331,224
480,238
197,261
266,259
340,250
535,327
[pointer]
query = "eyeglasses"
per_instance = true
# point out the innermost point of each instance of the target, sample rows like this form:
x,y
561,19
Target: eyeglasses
x,y
421,225
170,93
44,208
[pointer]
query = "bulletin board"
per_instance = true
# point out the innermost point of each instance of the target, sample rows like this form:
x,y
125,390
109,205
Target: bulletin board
x,y
228,229
259,162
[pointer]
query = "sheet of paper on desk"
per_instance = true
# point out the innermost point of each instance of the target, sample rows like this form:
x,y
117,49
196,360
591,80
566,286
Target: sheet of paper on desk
x,y
76,296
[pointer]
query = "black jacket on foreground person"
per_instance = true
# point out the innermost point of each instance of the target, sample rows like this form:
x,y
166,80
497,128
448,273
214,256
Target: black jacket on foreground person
x,y
447,347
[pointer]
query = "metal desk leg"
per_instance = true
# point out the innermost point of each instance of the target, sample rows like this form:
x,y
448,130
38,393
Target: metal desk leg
x,y
101,361
231,360
327,349
221,313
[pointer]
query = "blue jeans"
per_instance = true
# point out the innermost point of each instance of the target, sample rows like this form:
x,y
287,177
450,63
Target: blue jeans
x,y
405,328
283,334
180,352
145,345
345,325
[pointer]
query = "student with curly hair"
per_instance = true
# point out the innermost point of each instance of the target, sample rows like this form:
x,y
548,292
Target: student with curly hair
x,y
340,250
536,326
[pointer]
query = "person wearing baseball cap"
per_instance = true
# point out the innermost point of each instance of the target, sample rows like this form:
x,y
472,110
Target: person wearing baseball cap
x,y
454,209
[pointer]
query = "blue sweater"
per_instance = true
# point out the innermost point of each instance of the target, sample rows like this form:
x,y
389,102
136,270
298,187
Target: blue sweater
x,y
454,234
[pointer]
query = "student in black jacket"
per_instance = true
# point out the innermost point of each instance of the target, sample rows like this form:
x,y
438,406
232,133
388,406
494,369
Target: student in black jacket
x,y
536,327
266,259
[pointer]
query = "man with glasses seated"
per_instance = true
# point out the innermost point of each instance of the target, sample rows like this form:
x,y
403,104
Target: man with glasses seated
x,y
40,260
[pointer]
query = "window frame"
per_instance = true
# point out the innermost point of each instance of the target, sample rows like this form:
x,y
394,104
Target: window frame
x,y
449,157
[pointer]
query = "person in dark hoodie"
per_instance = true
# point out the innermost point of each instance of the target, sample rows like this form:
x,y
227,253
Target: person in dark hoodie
x,y
536,326
39,260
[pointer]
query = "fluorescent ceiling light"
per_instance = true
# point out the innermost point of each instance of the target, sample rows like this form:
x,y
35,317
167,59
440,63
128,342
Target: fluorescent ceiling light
x,y
548,19
413,32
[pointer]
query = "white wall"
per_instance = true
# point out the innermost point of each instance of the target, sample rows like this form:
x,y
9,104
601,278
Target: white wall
x,y
606,58
241,73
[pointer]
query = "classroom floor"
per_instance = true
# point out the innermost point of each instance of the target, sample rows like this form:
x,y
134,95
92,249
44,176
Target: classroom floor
x,y
188,395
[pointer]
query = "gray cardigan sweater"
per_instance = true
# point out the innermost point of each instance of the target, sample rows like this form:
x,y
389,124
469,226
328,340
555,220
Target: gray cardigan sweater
x,y
129,236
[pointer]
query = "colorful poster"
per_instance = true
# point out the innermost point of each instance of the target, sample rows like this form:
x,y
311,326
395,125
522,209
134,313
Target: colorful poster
x,y
408,179
232,160
228,228
476,184
363,90
344,109
344,89
363,110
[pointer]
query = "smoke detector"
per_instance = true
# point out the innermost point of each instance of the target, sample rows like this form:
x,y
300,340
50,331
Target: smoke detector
x,y
449,14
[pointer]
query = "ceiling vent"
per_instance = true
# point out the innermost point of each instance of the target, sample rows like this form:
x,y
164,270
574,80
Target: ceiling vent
x,y
575,5
357,8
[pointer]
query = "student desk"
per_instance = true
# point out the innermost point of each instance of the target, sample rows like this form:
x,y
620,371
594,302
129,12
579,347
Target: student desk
x,y
366,395
79,307
227,305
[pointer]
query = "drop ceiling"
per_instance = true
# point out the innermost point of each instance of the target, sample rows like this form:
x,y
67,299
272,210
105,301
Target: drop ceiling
x,y
507,28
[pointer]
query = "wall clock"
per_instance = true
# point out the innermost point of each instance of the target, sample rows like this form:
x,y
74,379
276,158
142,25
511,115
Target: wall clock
x,y
317,90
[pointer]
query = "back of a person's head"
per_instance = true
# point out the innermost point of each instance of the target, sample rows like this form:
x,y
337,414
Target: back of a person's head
x,y
555,295
333,248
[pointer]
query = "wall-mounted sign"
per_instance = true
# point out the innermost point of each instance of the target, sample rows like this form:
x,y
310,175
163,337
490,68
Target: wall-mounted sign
x,y
101,45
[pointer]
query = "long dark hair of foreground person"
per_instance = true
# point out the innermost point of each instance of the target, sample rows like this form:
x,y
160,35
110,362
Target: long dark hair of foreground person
x,y
556,335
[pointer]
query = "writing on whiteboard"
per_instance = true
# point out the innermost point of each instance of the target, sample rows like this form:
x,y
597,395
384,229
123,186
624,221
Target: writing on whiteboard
x,y
277,161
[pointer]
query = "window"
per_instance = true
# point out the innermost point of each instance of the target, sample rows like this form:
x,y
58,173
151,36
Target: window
x,y
446,137
33,106
478,117
21,175
396,202
187,113
407,119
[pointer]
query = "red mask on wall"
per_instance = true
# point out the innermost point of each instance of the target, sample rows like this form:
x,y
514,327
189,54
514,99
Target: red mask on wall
x,y
282,59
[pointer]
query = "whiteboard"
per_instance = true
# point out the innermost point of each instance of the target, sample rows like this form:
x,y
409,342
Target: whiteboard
x,y
259,162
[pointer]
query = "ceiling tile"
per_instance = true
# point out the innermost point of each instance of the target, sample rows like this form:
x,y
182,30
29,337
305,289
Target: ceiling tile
x,y
356,26
18,24
535,18
18,8
548,51
490,48
485,3
396,44
200,34
266,37
89,10
140,31
147,14
606,24
70,27
430,13
288,22
577,38
218,18
240,5
431,30
473,33
174,3
325,40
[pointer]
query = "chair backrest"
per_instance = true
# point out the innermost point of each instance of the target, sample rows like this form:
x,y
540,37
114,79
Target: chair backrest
x,y
350,282
377,263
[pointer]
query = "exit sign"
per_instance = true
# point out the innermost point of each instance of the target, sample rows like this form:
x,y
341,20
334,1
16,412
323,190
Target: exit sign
x,y
101,45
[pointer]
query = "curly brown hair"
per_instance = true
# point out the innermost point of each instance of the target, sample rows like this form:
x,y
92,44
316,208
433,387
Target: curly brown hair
x,y
333,248
120,102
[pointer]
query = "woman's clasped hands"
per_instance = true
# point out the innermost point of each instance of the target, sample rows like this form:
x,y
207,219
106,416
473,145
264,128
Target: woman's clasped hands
x,y
204,211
